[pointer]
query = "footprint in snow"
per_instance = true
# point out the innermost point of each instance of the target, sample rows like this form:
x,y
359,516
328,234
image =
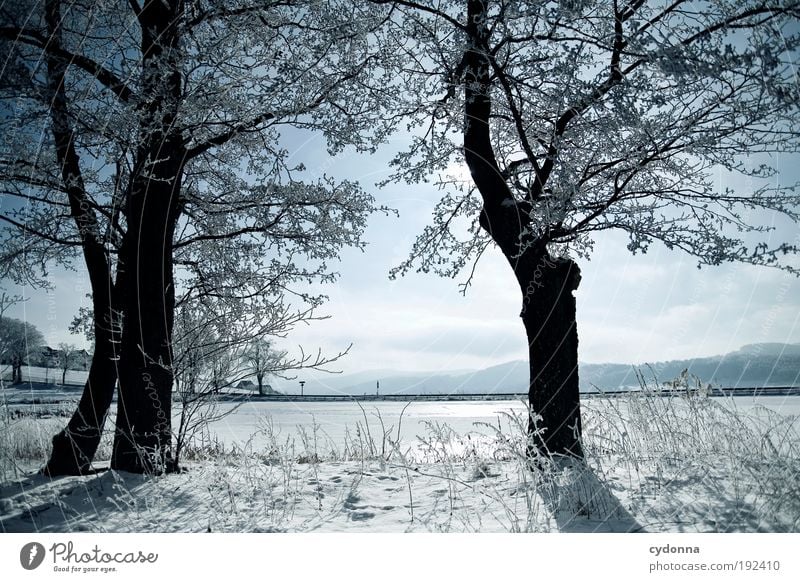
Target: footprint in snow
x,y
350,502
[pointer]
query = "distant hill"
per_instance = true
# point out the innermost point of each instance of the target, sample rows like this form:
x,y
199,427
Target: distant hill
x,y
767,364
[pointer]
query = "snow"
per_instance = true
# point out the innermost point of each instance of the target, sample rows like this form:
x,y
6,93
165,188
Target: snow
x,y
49,376
653,464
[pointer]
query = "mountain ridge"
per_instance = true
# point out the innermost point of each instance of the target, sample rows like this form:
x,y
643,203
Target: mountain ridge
x,y
761,364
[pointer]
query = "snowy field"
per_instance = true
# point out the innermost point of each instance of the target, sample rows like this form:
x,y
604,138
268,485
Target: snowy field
x,y
653,464
74,378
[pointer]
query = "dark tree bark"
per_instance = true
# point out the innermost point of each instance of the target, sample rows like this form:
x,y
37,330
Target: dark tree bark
x,y
75,446
546,283
143,428
548,314
142,440
260,378
16,369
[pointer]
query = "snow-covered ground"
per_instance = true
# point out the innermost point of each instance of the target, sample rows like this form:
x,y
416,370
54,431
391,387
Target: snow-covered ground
x,y
653,464
51,376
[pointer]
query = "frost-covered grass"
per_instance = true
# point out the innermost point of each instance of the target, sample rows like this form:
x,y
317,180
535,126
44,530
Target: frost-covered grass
x,y
653,463
25,437
684,461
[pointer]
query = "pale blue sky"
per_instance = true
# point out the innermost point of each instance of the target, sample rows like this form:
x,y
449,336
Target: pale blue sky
x,y
631,309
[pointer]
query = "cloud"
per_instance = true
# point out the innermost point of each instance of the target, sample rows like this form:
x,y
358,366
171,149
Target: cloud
x,y
706,312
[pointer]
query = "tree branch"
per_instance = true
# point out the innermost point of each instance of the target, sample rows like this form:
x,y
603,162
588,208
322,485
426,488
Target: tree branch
x,y
50,238
106,77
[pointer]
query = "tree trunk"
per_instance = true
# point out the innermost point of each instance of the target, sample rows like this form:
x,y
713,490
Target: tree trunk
x,y
548,314
75,446
143,433
142,441
548,308
16,370
143,428
260,378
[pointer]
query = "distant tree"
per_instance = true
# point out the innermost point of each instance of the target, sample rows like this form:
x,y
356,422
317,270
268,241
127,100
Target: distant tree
x,y
67,358
579,117
20,342
6,301
264,360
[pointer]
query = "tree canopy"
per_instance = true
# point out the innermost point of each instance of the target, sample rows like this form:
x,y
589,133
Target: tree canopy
x,y
604,115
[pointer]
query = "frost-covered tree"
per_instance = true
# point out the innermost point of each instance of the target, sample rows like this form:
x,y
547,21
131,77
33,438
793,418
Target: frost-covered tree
x,y
577,117
207,347
145,136
263,359
20,342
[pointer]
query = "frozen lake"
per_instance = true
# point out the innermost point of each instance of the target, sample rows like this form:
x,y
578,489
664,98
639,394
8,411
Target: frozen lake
x,y
335,419
338,419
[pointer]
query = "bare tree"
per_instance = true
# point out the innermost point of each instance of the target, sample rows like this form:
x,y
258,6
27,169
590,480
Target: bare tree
x,y
219,343
67,358
575,118
207,362
145,134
